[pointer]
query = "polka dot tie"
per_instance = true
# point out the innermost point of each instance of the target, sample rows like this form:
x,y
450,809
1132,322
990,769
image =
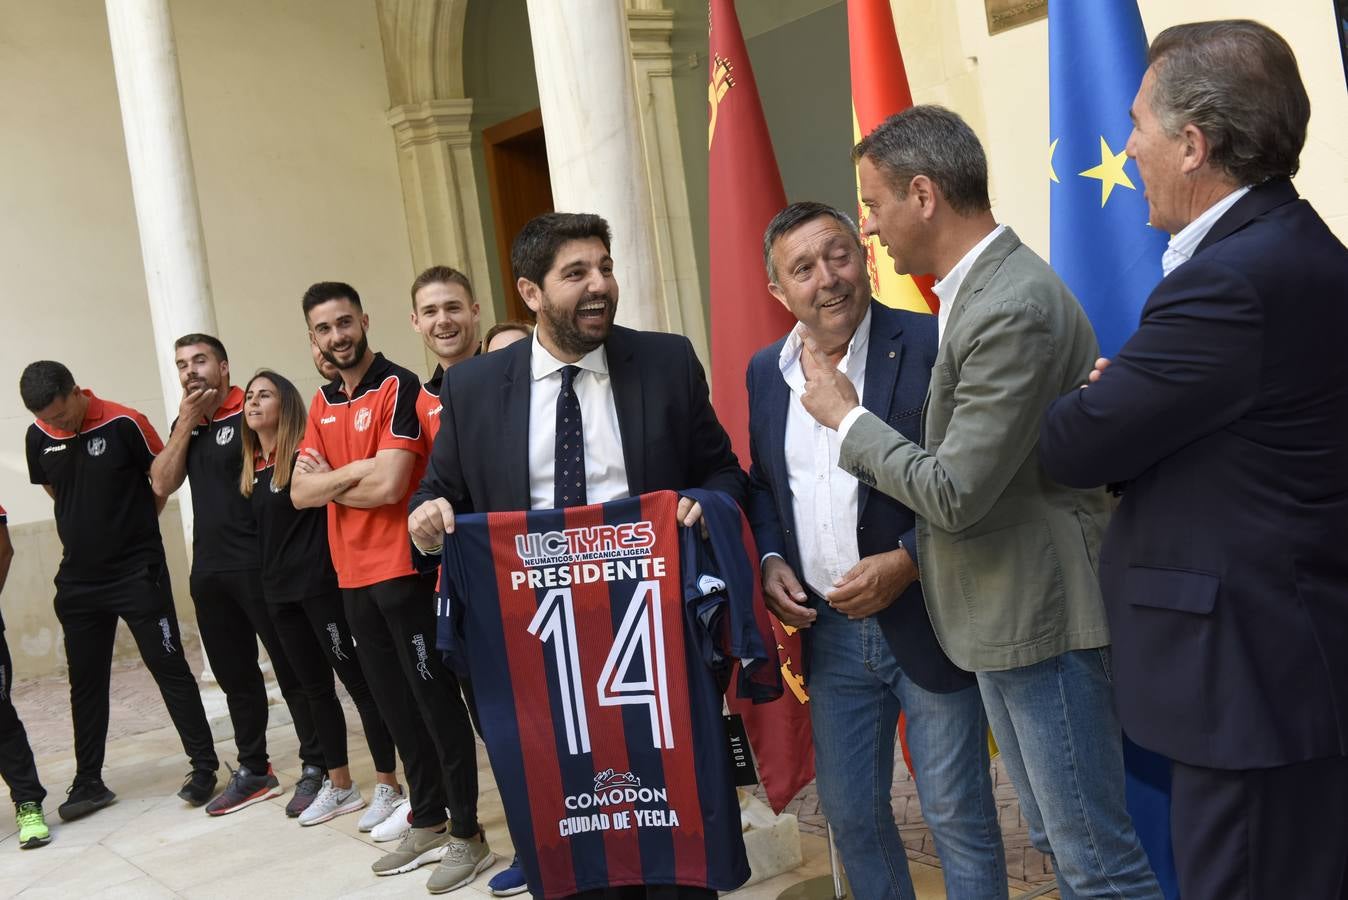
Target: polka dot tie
x,y
568,478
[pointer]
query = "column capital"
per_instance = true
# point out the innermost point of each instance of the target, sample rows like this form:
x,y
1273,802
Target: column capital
x,y
650,30
432,121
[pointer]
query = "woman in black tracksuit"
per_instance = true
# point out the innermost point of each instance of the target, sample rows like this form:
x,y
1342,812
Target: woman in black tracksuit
x,y
300,586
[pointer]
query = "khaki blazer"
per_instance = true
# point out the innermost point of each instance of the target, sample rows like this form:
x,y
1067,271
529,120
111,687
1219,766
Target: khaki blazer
x,y
1008,557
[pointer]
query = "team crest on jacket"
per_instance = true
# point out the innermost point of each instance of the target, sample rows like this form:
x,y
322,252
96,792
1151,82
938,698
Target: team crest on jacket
x,y
224,435
96,446
363,418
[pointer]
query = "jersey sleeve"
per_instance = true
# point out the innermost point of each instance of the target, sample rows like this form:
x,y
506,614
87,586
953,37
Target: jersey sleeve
x,y
143,439
725,601
33,447
449,609
4,516
400,426
313,435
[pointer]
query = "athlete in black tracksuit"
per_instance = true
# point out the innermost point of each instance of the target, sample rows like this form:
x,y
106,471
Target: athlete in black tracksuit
x,y
93,457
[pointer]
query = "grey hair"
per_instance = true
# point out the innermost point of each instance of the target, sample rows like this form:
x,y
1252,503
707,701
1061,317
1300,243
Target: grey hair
x,y
933,141
798,214
1236,81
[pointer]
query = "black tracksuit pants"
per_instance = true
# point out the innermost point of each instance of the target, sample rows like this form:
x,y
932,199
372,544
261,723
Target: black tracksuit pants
x,y
88,613
394,625
232,615
17,766
318,642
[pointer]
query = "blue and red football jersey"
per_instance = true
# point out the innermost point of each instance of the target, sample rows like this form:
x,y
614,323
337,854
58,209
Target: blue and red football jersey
x,y
598,652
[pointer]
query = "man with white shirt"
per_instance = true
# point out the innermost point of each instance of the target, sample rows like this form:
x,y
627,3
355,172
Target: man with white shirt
x,y
839,561
1007,556
584,412
1224,419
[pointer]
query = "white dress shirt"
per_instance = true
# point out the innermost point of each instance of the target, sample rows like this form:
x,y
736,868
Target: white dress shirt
x,y
947,289
1183,245
605,469
823,496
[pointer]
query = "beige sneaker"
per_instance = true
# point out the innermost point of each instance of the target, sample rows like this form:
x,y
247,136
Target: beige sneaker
x,y
421,846
462,862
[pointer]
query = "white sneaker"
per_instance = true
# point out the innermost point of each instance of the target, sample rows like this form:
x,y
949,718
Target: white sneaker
x,y
331,802
386,799
398,823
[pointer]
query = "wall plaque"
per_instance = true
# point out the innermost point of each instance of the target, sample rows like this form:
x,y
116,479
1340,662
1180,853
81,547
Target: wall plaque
x,y
1005,14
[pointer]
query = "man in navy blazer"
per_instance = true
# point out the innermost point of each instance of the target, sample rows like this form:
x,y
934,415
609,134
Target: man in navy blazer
x,y
1225,421
839,562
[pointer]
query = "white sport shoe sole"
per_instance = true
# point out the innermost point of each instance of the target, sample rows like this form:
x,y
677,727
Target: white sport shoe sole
x,y
350,806
433,855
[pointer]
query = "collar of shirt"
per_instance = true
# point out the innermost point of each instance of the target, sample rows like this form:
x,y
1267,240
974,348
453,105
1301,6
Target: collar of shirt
x,y
1183,245
542,363
948,288
788,361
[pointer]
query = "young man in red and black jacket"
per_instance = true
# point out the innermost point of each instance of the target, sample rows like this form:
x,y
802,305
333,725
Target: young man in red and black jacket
x,y
362,455
93,458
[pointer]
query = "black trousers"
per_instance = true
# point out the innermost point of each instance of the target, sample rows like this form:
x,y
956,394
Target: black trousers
x,y
17,766
88,614
232,615
318,642
394,625
1245,835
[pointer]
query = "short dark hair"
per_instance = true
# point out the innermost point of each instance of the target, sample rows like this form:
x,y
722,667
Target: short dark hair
x,y
798,214
188,340
933,141
323,291
1236,81
441,275
42,382
535,247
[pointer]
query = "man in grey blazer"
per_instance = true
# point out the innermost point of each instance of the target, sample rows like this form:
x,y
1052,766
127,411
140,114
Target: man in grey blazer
x,y
1008,558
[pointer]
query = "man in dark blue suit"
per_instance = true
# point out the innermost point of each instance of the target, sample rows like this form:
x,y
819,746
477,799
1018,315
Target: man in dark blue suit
x,y
585,412
839,561
1225,420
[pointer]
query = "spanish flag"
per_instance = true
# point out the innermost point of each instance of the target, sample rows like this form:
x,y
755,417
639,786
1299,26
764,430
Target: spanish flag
x,y
880,89
745,193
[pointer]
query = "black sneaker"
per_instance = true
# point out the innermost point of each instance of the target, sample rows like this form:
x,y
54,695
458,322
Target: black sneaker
x,y
244,789
311,781
198,787
84,797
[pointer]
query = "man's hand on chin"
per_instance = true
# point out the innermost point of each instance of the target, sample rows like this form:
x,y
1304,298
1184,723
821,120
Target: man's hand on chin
x,y
829,394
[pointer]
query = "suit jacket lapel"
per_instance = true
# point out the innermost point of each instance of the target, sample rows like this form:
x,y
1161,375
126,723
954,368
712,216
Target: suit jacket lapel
x,y
884,354
980,273
777,406
625,377
515,426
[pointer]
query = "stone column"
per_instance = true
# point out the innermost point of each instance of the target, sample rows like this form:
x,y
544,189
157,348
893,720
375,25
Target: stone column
x,y
651,27
435,164
163,186
586,90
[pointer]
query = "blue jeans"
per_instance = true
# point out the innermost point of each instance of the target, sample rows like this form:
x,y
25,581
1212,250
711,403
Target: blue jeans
x,y
1060,740
856,692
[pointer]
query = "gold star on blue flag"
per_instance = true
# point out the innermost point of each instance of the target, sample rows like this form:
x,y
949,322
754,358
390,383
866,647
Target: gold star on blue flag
x,y
1099,239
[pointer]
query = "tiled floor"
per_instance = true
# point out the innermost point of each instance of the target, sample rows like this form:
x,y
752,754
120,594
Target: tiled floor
x,y
149,844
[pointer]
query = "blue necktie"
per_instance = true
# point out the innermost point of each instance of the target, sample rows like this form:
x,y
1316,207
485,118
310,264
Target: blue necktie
x,y
568,478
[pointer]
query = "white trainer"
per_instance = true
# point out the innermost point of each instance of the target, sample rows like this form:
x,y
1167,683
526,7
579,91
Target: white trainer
x,y
385,800
331,802
398,823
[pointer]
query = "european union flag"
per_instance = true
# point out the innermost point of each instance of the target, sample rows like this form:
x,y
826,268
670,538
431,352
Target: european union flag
x,y
1101,245
1099,239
